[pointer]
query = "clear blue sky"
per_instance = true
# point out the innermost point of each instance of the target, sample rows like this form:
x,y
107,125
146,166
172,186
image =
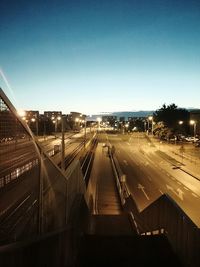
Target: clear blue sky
x,y
107,55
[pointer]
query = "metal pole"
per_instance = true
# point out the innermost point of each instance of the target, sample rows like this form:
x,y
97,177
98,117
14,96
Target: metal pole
x,y
152,126
195,129
40,202
85,134
63,146
37,127
56,125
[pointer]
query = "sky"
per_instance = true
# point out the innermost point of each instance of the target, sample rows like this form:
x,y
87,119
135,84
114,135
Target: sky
x,y
100,56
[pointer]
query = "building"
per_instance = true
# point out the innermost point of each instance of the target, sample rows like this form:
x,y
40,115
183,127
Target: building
x,y
76,120
112,120
52,114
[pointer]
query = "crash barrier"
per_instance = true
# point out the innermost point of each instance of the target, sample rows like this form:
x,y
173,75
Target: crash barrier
x,y
119,176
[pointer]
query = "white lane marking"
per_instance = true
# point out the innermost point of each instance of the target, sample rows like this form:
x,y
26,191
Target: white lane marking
x,y
161,192
179,193
179,183
141,187
186,188
125,162
194,195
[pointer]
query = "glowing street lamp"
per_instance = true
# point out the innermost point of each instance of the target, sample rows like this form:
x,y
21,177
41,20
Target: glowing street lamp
x,y
150,118
193,122
36,121
99,120
55,121
127,125
21,113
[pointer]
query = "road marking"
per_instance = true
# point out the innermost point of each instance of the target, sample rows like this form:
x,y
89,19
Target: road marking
x,y
179,193
125,162
141,187
194,195
161,192
186,188
178,183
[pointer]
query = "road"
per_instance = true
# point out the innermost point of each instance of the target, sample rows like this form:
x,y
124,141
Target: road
x,y
151,173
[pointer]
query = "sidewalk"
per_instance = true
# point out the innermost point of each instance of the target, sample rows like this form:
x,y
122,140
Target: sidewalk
x,y
180,152
102,183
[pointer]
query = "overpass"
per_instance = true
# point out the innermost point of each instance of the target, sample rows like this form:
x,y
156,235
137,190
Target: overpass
x,y
84,214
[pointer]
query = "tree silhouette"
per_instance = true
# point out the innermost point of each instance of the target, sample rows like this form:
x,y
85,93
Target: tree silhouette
x,y
171,115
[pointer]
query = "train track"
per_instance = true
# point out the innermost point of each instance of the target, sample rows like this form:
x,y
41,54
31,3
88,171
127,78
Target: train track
x,y
14,220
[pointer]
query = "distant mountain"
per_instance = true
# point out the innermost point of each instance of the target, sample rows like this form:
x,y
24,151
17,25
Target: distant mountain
x,y
137,114
125,114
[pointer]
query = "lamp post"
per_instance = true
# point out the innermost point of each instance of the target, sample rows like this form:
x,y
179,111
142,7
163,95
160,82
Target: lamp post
x,y
145,126
181,123
127,125
193,122
99,120
85,131
150,118
36,124
62,145
55,121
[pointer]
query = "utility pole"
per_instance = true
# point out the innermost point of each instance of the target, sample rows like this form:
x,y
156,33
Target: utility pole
x,y
85,134
63,145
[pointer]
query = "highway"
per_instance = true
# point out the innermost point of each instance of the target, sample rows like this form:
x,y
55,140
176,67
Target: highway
x,y
151,173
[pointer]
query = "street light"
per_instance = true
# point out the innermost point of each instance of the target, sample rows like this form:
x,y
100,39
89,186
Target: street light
x,y
127,125
36,122
193,122
21,113
55,121
62,144
84,121
150,118
99,120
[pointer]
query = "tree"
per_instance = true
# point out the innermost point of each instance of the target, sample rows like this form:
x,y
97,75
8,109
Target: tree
x,y
170,116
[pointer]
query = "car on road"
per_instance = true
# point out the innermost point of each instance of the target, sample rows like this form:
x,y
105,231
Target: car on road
x,y
192,139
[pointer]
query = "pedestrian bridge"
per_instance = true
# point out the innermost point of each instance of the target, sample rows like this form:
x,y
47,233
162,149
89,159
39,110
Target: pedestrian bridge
x,y
55,217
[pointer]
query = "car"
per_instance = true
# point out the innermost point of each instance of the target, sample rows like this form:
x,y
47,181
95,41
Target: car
x,y
191,139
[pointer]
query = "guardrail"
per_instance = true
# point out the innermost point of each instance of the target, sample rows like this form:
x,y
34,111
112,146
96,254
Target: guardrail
x,y
120,178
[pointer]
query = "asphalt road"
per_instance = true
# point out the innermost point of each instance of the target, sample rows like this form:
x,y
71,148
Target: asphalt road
x,y
150,174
